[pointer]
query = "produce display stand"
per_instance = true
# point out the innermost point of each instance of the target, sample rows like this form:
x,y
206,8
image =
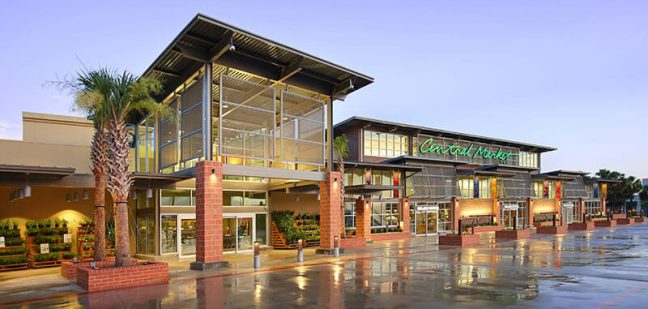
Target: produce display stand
x,y
85,241
278,239
311,229
53,235
13,255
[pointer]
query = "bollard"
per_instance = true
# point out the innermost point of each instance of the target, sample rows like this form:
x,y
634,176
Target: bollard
x,y
300,251
336,246
554,219
257,257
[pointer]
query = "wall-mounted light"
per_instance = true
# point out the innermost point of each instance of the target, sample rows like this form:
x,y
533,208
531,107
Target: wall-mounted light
x,y
86,194
318,196
335,183
149,193
27,187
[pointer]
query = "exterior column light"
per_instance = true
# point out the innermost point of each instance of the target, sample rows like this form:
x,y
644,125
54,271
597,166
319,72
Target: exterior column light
x,y
27,190
300,251
336,246
257,256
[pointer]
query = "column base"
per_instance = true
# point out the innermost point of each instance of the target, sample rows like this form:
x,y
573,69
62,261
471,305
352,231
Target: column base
x,y
328,251
208,266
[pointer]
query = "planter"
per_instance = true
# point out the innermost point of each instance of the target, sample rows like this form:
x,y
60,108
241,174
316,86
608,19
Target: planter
x,y
459,240
69,268
580,226
625,221
639,219
599,219
13,267
112,278
487,228
353,242
619,216
513,234
558,229
606,223
390,236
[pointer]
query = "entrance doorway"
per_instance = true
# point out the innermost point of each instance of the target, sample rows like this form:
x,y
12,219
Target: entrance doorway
x,y
238,233
178,234
510,216
426,219
568,212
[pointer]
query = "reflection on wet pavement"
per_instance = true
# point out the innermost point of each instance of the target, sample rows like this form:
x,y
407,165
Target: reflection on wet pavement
x,y
604,268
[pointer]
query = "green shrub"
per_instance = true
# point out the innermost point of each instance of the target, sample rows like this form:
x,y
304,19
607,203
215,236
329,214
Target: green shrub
x,y
10,233
13,242
46,257
68,255
16,251
46,239
13,260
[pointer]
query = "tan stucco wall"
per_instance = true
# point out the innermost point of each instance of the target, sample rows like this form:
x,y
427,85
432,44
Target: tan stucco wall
x,y
56,129
307,204
475,207
544,205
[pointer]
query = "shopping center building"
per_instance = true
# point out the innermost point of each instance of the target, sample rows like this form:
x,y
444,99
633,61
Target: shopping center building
x,y
251,134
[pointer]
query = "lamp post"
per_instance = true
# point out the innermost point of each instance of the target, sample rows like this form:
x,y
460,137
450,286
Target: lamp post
x,y
336,246
300,251
257,257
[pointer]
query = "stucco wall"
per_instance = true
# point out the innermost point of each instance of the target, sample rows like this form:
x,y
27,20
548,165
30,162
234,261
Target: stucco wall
x,y
307,203
544,205
475,207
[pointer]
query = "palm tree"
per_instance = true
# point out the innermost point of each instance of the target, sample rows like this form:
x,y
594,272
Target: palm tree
x,y
91,90
341,144
129,93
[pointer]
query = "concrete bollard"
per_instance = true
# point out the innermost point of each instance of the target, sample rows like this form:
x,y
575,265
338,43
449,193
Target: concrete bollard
x,y
300,251
257,256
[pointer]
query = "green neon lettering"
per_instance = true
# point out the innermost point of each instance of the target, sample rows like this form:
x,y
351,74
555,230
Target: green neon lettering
x,y
428,146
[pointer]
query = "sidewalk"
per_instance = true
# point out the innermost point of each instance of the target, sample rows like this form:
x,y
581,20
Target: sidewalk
x,y
29,284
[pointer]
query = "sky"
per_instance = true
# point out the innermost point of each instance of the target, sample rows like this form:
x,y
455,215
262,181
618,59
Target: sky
x,y
567,74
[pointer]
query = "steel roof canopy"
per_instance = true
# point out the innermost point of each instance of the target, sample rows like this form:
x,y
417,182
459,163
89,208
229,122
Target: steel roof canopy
x,y
206,39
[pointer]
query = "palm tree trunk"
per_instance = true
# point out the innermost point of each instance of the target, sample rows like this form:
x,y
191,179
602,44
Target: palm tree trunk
x,y
100,217
119,185
341,169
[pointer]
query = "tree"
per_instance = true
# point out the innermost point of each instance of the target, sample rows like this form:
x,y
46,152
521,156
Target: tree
x,y
341,145
619,192
643,197
129,93
91,90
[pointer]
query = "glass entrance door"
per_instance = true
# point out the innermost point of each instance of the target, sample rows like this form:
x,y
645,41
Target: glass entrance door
x,y
568,212
238,233
426,219
510,216
432,222
187,244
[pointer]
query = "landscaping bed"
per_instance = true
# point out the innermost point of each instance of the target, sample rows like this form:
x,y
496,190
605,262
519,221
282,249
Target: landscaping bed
x,y
459,240
581,226
625,221
513,234
69,268
111,278
606,223
558,229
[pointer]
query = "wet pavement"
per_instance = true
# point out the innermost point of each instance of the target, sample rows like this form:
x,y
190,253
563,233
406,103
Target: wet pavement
x,y
605,268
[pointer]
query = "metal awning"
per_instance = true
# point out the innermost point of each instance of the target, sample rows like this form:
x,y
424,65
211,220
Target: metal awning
x,y
369,189
156,179
424,160
48,171
386,166
471,172
206,40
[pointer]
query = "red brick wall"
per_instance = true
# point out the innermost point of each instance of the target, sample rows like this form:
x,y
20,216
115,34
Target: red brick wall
x,y
122,277
391,236
209,212
405,214
363,219
330,210
69,269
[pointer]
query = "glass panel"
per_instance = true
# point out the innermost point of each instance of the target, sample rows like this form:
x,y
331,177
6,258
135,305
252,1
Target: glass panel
x,y
255,199
168,155
261,234
420,223
192,146
431,222
232,198
229,234
244,234
188,236
141,235
150,234
302,129
178,197
169,234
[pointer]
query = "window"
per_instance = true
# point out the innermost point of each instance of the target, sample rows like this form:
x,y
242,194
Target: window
x,y
465,187
302,129
169,234
445,217
245,198
592,208
385,214
349,215
178,197
538,188
146,234
389,145
552,189
354,176
484,187
528,159
261,228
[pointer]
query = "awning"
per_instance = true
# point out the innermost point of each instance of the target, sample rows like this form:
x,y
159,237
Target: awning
x,y
471,172
386,166
155,180
47,171
369,189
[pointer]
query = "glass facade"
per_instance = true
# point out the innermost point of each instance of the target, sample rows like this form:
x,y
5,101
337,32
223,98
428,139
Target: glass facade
x,y
465,187
245,198
385,214
178,197
388,145
528,159
169,234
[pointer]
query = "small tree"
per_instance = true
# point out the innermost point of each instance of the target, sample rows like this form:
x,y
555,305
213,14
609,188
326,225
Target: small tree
x,y
341,144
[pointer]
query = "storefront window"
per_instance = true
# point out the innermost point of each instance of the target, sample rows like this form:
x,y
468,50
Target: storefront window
x,y
245,198
465,187
385,214
177,197
538,188
146,234
445,217
592,207
484,187
169,234
261,228
349,215
188,236
379,144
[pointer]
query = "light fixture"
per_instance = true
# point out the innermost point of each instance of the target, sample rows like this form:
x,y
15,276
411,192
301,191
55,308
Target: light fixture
x,y
86,194
27,187
213,171
21,194
149,193
318,196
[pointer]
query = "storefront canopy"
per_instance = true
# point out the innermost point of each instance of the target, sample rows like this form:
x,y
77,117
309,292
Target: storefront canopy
x,y
206,40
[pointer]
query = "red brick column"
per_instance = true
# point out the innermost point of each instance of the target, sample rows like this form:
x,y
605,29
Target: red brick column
x,y
531,212
405,214
581,201
497,213
363,219
209,216
330,211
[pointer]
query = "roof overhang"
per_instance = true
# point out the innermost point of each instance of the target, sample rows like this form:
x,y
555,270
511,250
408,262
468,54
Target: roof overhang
x,y
207,40
385,166
155,180
422,160
478,172
369,189
48,171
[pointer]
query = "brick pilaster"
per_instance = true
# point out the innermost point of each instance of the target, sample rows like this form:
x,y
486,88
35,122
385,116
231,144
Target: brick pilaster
x,y
209,212
330,211
363,219
455,203
531,214
497,213
405,214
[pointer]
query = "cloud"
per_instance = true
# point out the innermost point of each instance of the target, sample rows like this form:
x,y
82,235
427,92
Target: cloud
x,y
9,130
